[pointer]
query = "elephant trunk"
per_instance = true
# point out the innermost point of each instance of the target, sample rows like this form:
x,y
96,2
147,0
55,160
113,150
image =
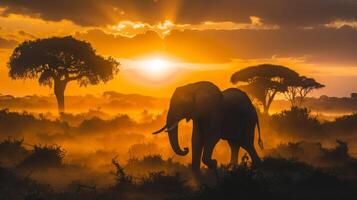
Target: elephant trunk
x,y
173,137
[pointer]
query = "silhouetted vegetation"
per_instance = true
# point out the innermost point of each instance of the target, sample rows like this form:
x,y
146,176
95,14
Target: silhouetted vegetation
x,y
153,163
44,157
263,82
19,123
331,104
344,124
276,178
12,152
298,123
295,170
110,101
119,102
16,187
298,89
336,158
15,123
77,119
122,180
57,61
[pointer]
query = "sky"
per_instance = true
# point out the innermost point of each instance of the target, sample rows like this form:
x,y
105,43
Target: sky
x,y
162,44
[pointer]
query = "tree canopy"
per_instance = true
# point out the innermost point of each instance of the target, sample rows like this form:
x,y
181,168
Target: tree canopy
x,y
59,60
298,89
264,81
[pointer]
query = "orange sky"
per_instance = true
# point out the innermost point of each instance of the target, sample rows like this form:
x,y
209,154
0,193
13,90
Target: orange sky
x,y
208,48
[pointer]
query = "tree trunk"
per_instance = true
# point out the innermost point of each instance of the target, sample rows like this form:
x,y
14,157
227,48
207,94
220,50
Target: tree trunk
x,y
59,88
270,100
265,109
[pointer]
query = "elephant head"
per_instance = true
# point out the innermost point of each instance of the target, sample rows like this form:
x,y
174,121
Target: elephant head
x,y
188,102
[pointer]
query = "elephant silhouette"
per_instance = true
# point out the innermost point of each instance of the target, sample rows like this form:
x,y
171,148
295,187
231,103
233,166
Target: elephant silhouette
x,y
239,121
215,116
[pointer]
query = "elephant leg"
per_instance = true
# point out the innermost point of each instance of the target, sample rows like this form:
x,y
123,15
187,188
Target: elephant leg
x,y
197,146
211,133
209,144
234,151
253,155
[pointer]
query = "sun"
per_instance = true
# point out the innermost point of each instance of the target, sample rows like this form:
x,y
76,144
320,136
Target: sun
x,y
154,70
156,66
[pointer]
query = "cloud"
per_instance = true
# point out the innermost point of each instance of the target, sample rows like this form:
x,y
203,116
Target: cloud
x,y
302,13
320,45
123,47
26,34
7,43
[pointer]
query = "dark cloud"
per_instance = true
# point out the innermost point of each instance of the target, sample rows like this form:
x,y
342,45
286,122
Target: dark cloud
x,y
93,12
26,34
7,43
124,47
79,11
320,45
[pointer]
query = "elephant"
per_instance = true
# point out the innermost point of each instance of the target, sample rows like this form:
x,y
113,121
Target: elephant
x,y
200,102
228,115
239,121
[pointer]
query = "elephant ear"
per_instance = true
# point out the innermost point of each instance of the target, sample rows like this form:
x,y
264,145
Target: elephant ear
x,y
188,102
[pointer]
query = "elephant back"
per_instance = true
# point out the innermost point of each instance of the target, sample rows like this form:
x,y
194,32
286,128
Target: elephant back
x,y
239,114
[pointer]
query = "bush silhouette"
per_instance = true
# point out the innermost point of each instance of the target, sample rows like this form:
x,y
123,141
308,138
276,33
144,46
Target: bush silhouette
x,y
159,182
42,157
297,122
19,123
154,163
344,124
275,178
17,188
12,152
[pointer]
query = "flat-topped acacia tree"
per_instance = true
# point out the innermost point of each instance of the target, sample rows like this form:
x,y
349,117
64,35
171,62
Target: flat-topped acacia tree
x,y
264,81
59,60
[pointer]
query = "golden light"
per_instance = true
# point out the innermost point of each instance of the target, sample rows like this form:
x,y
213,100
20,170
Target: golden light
x,y
156,65
156,68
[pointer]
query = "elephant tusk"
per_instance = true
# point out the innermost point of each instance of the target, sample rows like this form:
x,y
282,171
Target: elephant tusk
x,y
159,131
172,127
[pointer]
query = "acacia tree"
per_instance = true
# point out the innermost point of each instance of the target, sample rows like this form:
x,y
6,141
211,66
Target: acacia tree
x,y
59,60
263,82
299,88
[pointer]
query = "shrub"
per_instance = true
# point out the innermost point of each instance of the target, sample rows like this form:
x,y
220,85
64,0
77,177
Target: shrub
x,y
344,124
239,182
44,157
122,180
298,123
12,152
159,182
153,163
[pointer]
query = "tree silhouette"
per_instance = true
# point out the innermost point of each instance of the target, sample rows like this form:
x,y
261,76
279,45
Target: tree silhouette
x,y
299,87
59,60
264,81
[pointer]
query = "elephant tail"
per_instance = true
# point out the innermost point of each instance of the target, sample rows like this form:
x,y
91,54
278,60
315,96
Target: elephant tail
x,y
260,141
